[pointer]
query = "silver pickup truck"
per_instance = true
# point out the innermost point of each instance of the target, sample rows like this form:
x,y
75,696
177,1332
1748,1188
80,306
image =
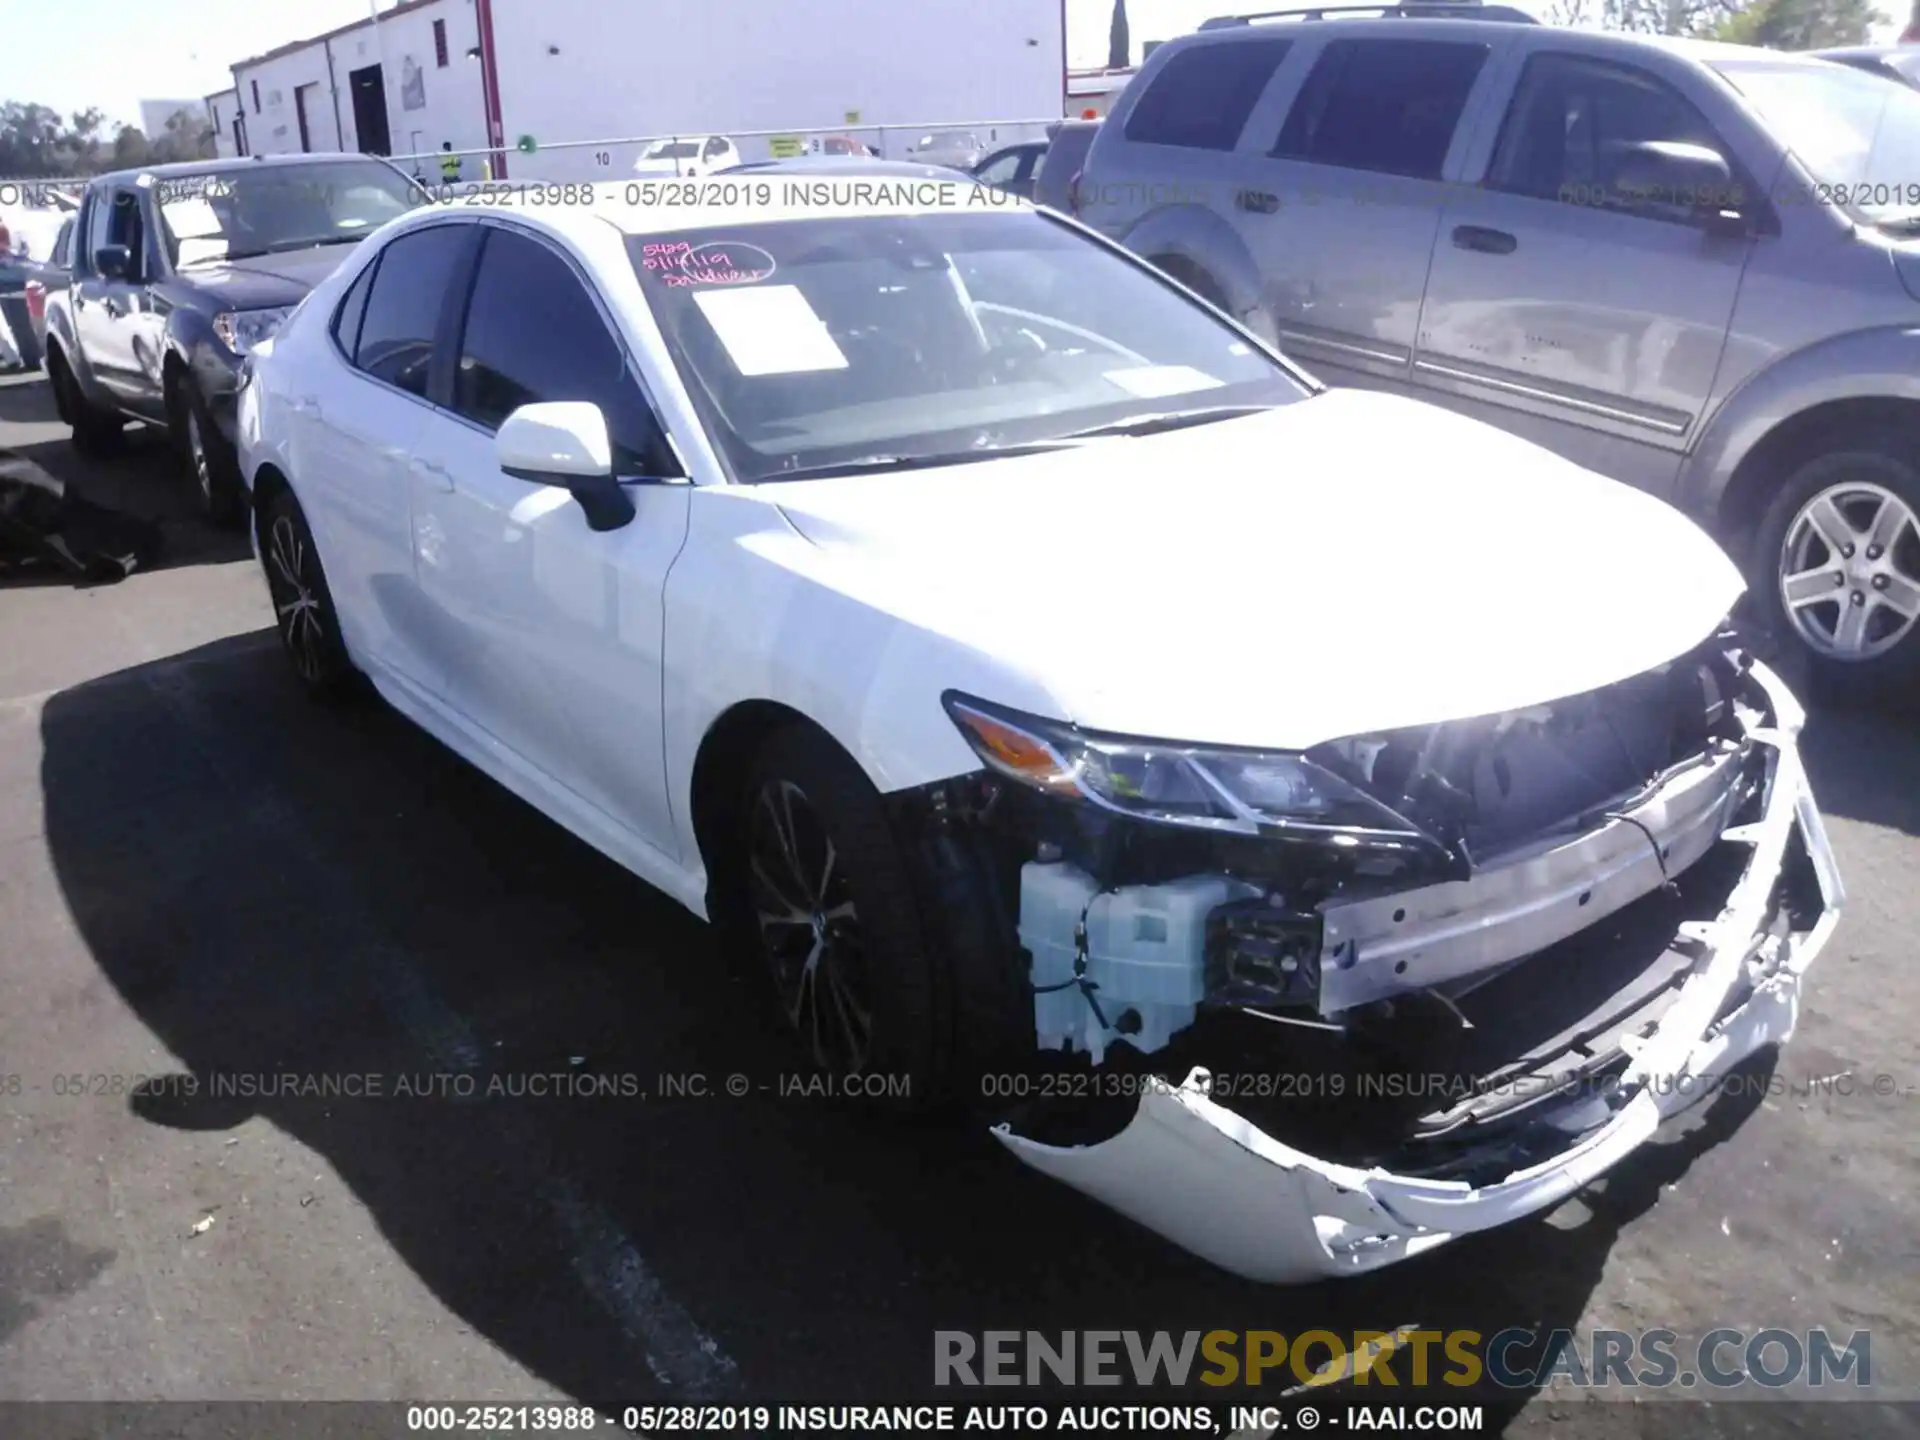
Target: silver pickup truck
x,y
1690,266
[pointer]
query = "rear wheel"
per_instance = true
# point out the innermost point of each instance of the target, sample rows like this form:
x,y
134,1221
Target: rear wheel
x,y
95,431
1837,554
830,907
1194,278
302,603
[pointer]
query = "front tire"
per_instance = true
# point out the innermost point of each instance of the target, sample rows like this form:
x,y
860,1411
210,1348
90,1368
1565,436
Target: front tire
x,y
830,907
96,432
1837,556
303,605
215,490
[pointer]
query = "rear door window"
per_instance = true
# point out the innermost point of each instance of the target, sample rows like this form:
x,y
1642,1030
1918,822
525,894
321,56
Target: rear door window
x,y
403,306
1385,106
346,320
1202,97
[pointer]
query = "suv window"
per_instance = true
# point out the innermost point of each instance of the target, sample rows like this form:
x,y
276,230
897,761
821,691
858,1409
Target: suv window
x,y
1201,98
1388,106
1573,121
532,334
403,306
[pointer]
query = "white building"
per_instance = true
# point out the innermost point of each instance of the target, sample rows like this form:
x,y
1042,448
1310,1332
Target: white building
x,y
486,75
403,87
229,126
154,115
587,69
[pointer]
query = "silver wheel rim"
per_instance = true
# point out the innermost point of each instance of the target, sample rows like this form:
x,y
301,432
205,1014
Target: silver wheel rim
x,y
809,930
196,448
296,606
1850,571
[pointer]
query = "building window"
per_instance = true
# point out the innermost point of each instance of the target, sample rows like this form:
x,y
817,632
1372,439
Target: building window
x,y
256,95
440,43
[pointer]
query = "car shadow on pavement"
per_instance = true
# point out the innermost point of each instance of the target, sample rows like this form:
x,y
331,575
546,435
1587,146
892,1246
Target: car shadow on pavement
x,y
143,480
281,891
1865,766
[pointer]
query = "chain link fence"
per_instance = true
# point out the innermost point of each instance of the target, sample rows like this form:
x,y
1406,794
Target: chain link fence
x,y
946,142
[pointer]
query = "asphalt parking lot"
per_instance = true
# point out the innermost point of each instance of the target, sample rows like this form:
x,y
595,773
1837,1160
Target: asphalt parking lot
x,y
201,874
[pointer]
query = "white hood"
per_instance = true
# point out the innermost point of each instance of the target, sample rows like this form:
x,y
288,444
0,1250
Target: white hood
x,y
1355,562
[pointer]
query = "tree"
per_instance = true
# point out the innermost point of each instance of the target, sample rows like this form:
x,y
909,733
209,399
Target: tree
x,y
35,140
1574,14
1799,24
187,137
1120,39
130,149
1781,24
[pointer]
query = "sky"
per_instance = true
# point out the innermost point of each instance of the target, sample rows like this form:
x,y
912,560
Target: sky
x,y
71,54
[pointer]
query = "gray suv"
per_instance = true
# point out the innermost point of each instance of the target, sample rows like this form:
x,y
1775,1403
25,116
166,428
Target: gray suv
x,y
1692,267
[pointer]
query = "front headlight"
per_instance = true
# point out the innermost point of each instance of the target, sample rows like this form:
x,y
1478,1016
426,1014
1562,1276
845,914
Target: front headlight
x,y
1245,791
241,330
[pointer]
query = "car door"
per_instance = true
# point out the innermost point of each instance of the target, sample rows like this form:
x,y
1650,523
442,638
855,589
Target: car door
x,y
552,630
1560,305
1341,212
359,410
111,312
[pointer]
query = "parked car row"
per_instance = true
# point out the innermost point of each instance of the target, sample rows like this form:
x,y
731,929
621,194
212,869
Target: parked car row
x,y
178,272
731,538
1691,267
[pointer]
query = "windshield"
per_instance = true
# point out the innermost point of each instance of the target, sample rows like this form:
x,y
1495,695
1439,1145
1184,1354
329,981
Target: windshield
x,y
1857,134
884,338
236,213
674,150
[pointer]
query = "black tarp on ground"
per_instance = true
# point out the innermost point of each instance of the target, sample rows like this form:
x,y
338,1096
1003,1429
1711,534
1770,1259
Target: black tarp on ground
x,y
45,526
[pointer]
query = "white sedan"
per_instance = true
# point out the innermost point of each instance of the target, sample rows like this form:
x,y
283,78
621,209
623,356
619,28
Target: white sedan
x,y
1316,824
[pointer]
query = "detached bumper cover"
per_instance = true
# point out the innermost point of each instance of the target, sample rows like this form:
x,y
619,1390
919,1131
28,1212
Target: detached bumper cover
x,y
1212,1182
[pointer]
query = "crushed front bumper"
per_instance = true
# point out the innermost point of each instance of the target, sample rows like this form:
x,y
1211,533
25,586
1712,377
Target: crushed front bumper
x,y
1214,1183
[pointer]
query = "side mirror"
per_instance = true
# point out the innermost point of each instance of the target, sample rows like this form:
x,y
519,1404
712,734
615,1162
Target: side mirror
x,y
113,262
1686,177
564,442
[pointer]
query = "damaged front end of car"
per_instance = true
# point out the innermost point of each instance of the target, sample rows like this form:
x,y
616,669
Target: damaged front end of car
x,y
1307,1014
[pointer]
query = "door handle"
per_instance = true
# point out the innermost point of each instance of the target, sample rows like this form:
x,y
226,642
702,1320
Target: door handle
x,y
1487,242
306,405
1259,202
431,471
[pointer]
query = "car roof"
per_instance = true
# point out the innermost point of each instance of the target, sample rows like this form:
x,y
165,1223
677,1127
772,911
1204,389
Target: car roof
x,y
1433,23
227,165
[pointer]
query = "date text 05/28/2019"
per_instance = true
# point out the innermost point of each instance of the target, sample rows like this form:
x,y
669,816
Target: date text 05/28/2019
x,y
1114,1419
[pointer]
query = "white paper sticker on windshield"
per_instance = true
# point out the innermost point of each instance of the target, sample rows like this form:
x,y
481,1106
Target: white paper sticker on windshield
x,y
1150,382
770,330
